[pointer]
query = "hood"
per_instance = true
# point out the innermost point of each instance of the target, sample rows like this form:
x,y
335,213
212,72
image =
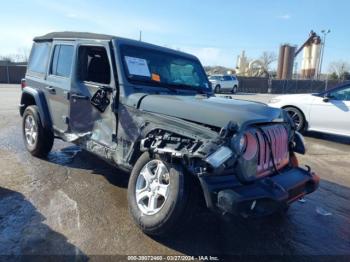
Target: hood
x,y
213,111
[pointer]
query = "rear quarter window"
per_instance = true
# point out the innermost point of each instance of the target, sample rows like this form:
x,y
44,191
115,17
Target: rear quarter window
x,y
39,57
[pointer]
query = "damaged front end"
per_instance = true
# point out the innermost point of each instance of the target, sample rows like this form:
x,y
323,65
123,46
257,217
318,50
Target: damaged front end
x,y
248,170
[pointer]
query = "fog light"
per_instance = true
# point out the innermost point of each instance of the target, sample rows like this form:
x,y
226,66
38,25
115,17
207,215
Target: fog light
x,y
219,157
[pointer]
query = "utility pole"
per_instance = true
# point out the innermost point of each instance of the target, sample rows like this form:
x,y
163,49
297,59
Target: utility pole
x,y
140,38
8,72
325,33
296,71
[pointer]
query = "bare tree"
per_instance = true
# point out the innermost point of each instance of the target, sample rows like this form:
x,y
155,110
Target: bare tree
x,y
339,68
7,58
23,54
266,59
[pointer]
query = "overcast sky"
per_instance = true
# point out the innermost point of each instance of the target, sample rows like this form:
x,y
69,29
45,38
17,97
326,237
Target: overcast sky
x,y
215,31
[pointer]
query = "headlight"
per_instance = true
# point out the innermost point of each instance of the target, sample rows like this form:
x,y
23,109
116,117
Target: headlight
x,y
251,146
274,100
219,157
239,144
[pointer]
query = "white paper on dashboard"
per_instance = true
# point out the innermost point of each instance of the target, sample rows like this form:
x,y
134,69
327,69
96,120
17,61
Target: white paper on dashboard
x,y
137,66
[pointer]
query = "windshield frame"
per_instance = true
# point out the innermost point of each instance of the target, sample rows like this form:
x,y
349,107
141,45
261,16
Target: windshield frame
x,y
166,86
339,86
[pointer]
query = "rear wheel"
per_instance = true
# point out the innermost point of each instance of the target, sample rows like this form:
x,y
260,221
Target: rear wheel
x,y
217,89
37,139
159,195
234,90
297,117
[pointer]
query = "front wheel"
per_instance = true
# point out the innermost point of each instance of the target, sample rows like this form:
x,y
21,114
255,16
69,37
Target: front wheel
x,y
297,117
159,196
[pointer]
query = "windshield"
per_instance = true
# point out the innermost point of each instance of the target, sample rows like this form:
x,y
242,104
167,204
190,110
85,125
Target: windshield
x,y
214,77
160,68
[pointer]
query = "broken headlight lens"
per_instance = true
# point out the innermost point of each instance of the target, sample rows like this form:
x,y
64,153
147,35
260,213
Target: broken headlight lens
x,y
219,157
239,144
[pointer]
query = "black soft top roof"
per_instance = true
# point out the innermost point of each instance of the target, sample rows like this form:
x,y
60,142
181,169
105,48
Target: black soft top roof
x,y
72,35
68,35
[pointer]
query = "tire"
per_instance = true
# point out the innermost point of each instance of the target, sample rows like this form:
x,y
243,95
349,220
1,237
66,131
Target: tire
x,y
297,117
217,89
37,139
281,213
177,208
234,90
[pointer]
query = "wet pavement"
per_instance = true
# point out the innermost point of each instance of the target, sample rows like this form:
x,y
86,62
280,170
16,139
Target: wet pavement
x,y
73,203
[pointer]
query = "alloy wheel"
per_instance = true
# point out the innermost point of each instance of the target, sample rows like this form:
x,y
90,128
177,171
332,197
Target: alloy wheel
x,y
152,187
30,130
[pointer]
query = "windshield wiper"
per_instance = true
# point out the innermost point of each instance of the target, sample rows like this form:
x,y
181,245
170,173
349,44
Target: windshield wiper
x,y
189,87
157,84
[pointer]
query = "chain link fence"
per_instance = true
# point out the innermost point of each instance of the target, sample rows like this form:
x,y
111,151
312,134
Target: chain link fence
x,y
12,74
266,85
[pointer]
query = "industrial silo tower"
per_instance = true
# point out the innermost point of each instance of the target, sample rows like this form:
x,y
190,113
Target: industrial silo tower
x,y
311,58
286,61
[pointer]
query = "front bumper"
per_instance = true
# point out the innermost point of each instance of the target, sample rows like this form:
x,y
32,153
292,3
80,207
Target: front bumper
x,y
263,197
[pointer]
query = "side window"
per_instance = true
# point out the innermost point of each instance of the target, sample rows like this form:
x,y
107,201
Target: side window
x,y
94,65
39,57
227,78
62,60
342,94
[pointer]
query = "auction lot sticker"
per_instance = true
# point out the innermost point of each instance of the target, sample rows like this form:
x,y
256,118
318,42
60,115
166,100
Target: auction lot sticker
x,y
137,66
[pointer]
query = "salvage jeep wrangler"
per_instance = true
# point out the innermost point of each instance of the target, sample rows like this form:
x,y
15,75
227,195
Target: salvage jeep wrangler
x,y
151,111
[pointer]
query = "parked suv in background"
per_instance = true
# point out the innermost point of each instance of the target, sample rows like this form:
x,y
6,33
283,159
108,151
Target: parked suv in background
x,y
150,111
224,83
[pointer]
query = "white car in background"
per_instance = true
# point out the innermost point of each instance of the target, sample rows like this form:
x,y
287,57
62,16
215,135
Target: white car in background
x,y
327,112
224,83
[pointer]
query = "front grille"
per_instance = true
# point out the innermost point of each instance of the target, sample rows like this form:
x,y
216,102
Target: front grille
x,y
278,136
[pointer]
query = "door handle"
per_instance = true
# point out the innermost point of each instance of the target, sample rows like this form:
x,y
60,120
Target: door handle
x,y
51,90
81,97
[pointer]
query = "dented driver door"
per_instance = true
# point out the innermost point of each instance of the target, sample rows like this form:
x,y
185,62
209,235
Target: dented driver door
x,y
92,97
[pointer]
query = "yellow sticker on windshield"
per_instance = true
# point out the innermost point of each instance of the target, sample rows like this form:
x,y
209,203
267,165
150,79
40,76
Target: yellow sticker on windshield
x,y
155,77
